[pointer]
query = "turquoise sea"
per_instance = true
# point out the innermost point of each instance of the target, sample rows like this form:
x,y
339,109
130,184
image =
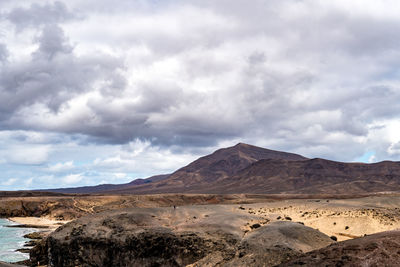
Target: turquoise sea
x,y
12,239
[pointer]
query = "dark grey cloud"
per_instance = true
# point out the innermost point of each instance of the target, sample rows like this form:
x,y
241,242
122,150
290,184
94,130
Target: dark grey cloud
x,y
52,76
198,73
52,42
39,14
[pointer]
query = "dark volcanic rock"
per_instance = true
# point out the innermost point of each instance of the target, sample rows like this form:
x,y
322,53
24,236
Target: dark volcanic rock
x,y
39,253
3,264
35,235
27,226
23,250
132,239
149,248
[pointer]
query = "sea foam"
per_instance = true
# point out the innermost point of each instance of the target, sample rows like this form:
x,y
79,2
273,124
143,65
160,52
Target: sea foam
x,y
12,239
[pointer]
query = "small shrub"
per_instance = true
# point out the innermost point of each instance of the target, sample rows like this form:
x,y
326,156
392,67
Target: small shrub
x,y
346,228
334,238
255,226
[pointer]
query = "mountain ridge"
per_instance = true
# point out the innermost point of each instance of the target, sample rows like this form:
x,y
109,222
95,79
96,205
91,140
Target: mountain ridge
x,y
250,169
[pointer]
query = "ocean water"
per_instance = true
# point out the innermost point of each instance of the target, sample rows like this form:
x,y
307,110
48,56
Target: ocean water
x,y
12,239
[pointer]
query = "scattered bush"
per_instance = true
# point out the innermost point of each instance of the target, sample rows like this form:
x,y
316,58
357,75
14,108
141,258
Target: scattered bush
x,y
255,226
334,238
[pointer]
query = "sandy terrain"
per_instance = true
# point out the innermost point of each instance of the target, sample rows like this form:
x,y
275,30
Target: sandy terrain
x,y
38,221
248,218
247,234
344,219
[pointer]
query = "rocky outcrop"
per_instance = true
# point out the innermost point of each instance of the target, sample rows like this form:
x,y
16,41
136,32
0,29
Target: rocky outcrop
x,y
4,264
166,237
62,208
38,255
149,248
276,243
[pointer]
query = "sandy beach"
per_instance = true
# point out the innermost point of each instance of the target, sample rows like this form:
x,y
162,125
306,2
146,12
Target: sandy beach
x,y
48,224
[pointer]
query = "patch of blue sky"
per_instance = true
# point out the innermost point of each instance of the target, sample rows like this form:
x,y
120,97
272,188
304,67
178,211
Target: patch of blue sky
x,y
367,157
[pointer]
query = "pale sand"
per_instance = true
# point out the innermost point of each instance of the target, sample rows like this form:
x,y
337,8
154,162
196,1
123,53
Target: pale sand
x,y
52,224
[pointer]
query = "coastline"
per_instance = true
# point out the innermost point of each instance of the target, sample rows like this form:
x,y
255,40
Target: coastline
x,y
13,242
39,227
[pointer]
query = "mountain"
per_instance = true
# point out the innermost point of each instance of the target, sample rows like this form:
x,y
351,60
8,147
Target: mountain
x,y
249,169
254,170
200,174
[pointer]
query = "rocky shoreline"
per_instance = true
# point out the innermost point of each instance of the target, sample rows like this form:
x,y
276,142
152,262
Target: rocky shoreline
x,y
21,248
35,239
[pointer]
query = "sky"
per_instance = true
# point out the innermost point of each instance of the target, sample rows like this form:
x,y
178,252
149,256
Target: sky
x,y
100,91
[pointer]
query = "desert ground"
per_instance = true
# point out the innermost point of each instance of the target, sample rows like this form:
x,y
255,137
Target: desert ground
x,y
344,218
288,225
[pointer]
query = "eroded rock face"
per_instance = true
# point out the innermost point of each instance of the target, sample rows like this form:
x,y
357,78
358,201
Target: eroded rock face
x,y
165,237
35,207
149,248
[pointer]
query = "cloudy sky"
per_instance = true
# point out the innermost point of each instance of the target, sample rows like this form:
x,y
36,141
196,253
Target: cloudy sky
x,y
100,91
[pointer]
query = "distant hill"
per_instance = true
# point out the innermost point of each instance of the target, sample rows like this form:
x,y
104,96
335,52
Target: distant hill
x,y
107,187
249,169
26,193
